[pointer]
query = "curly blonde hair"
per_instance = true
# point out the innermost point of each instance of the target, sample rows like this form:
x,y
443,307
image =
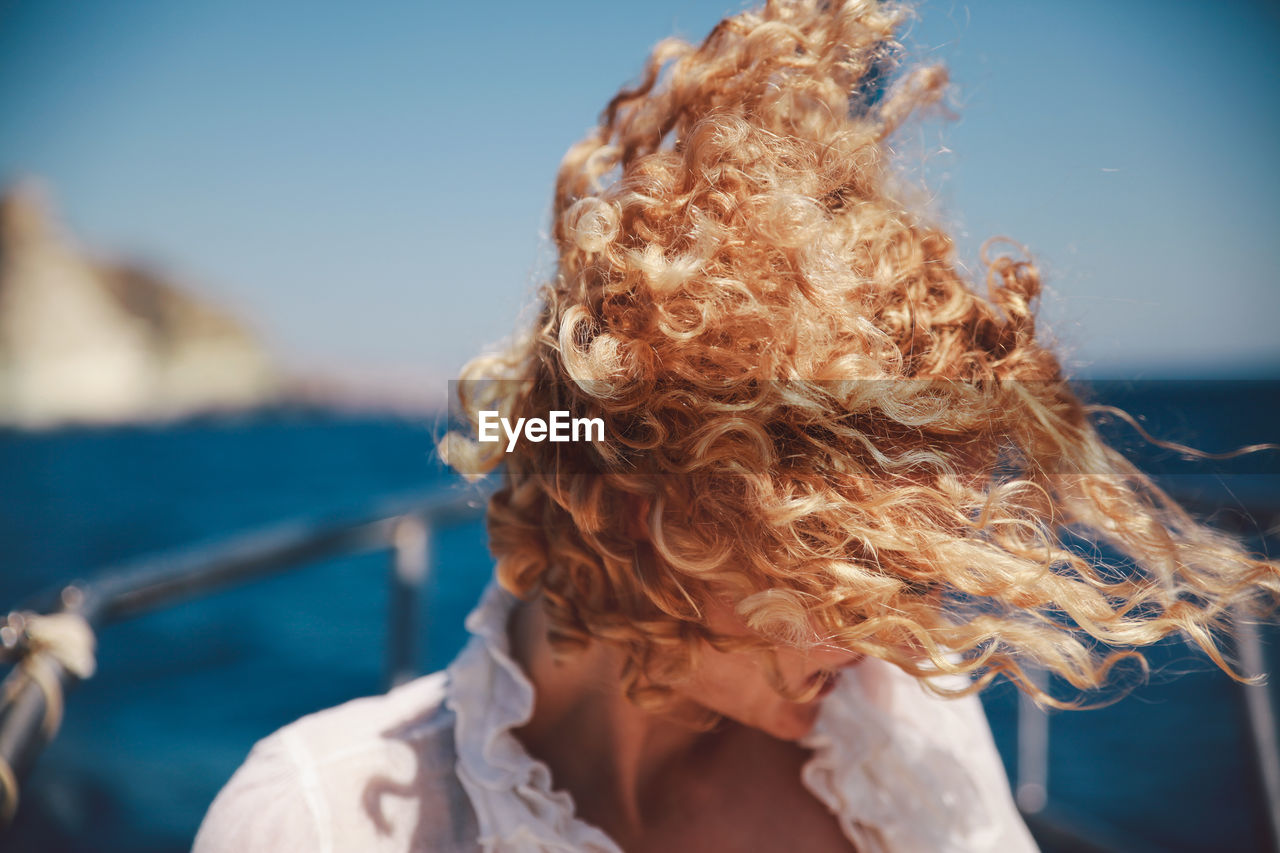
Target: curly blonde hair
x,y
808,410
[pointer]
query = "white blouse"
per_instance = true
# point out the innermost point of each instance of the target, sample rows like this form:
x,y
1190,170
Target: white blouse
x,y
433,765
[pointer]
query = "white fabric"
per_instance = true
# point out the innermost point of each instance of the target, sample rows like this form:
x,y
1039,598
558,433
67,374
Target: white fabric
x,y
433,765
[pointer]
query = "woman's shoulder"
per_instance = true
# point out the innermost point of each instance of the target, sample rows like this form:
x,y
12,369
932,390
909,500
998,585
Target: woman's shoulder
x,y
411,713
372,772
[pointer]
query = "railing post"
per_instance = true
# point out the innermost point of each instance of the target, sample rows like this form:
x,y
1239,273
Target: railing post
x,y
1262,721
410,543
1032,790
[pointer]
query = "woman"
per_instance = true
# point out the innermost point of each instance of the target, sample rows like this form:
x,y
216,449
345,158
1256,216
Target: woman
x,y
833,498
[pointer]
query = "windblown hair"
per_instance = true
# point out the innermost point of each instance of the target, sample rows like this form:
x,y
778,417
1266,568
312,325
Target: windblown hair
x,y
809,411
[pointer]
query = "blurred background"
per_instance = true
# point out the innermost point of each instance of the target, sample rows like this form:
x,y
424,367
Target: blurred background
x,y
244,246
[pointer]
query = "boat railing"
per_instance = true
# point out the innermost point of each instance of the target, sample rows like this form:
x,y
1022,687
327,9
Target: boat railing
x,y
1077,832
50,640
45,653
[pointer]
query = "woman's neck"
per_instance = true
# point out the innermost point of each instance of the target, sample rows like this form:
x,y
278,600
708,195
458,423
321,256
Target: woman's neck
x,y
612,756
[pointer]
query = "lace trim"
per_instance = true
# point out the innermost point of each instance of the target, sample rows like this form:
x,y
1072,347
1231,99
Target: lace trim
x,y
511,791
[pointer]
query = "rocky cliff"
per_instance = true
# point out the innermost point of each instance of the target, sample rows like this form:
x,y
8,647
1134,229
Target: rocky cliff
x,y
84,340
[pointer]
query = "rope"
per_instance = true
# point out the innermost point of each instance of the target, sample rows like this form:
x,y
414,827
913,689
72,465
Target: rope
x,y
63,637
36,640
8,792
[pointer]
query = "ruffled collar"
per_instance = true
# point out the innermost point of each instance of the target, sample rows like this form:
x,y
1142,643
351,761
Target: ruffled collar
x,y
881,761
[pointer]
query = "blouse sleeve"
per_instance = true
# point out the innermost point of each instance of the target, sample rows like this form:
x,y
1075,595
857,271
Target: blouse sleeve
x,y
266,807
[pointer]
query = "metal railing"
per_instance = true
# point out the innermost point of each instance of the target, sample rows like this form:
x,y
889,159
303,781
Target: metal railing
x,y
1077,832
31,695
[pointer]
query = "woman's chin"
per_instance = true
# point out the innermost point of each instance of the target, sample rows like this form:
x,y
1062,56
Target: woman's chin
x,y
793,721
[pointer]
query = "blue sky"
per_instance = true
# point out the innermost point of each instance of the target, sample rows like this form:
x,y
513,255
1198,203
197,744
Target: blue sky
x,y
369,182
